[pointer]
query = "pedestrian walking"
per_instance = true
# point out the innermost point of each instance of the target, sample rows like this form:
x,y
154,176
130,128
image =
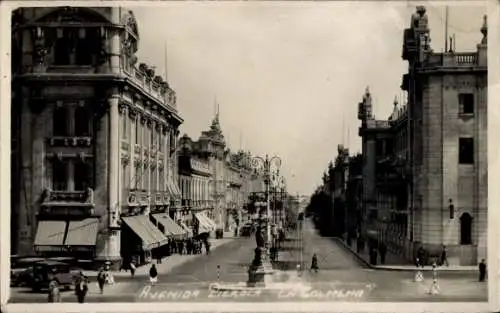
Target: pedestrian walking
x,y
482,270
421,256
373,256
132,269
101,280
434,290
314,263
444,258
383,252
153,275
81,288
54,294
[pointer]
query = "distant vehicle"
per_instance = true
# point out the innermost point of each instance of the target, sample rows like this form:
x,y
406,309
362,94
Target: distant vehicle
x,y
246,229
64,273
21,273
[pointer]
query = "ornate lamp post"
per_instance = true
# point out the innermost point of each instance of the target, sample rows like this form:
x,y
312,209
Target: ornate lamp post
x,y
261,266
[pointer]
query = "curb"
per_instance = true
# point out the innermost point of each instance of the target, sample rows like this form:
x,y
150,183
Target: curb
x,y
360,258
188,258
394,269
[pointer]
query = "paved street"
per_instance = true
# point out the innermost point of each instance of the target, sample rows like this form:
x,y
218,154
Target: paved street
x,y
341,278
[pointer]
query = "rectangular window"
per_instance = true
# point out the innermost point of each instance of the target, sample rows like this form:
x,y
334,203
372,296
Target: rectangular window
x,y
152,138
60,122
161,179
466,103
124,125
137,177
60,175
466,151
82,176
137,131
82,122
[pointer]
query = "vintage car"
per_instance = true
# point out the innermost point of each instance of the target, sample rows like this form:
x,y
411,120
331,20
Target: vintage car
x,y
21,273
64,273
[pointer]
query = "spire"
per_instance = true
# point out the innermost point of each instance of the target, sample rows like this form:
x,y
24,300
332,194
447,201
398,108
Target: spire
x,y
484,30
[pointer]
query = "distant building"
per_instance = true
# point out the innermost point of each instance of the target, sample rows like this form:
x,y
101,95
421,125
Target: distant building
x,y
94,136
425,168
226,180
195,182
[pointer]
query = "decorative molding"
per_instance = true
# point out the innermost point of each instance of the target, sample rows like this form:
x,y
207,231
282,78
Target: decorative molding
x,y
132,112
122,108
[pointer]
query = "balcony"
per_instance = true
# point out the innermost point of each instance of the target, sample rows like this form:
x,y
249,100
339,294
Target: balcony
x,y
464,59
138,197
160,92
70,141
52,198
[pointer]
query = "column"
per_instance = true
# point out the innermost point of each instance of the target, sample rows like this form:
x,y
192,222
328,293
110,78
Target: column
x,y
112,245
115,44
24,231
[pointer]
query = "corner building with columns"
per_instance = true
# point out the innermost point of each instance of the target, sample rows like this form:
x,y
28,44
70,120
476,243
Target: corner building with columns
x,y
425,167
94,137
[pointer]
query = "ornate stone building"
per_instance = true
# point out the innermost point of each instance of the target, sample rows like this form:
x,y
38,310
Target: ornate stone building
x,y
195,181
94,135
425,168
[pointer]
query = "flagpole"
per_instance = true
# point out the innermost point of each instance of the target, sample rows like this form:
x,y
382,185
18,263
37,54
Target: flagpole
x,y
446,29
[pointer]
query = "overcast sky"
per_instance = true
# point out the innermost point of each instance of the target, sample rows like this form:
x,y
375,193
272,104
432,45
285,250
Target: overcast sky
x,y
288,76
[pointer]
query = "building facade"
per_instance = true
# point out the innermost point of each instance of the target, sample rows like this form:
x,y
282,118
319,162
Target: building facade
x,y
94,134
195,181
425,168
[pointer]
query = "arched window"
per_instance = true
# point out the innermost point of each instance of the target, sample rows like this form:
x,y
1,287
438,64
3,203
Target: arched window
x,y
60,120
82,122
465,229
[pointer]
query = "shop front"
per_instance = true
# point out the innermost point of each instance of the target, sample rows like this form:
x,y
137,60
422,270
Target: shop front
x,y
203,225
67,238
141,240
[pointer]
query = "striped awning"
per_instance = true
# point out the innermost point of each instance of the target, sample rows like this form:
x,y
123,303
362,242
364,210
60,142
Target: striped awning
x,y
83,232
205,224
171,227
50,234
151,236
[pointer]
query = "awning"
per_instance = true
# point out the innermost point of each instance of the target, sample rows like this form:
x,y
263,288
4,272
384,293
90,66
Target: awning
x,y
204,223
210,222
186,228
82,233
175,192
50,235
147,231
171,227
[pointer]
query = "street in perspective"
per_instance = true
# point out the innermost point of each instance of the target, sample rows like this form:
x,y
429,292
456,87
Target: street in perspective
x,y
264,173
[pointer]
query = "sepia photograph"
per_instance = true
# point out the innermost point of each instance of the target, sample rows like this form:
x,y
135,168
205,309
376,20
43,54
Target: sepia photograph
x,y
247,152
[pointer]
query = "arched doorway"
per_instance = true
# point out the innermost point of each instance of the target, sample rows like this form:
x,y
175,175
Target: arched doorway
x,y
465,229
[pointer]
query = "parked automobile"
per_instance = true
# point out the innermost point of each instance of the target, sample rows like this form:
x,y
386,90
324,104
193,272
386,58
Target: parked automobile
x,y
21,272
64,273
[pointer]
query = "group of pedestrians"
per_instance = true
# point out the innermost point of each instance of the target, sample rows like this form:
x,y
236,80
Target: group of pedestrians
x,y
81,288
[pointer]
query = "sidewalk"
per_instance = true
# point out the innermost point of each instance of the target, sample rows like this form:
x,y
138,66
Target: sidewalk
x,y
394,262
170,262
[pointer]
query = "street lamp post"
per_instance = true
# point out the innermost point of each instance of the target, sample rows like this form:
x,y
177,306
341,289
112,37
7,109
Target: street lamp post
x,y
261,267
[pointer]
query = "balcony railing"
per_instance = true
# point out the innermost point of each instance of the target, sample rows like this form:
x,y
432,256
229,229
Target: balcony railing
x,y
70,141
138,197
467,59
55,197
